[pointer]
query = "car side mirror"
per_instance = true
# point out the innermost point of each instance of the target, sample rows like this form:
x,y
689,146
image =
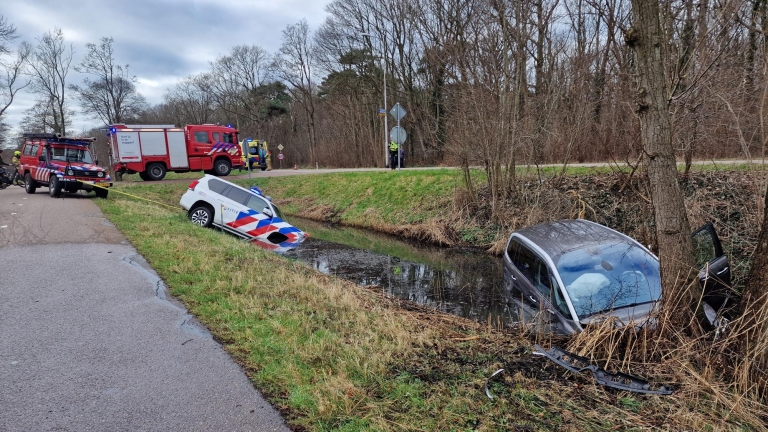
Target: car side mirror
x,y
41,158
267,212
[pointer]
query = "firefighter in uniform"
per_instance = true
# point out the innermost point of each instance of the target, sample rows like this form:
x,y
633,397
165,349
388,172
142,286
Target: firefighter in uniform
x,y
393,147
16,162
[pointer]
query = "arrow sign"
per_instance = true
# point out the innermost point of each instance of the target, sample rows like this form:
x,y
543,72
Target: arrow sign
x,y
397,111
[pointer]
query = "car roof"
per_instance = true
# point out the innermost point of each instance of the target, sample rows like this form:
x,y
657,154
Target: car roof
x,y
209,177
558,237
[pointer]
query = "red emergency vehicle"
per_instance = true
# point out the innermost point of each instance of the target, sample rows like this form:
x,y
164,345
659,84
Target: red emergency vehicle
x,y
153,150
61,164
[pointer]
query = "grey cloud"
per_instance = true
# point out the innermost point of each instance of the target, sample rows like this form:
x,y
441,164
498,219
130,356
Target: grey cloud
x,y
162,39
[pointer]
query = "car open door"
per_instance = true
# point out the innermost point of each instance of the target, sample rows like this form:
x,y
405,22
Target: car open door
x,y
714,268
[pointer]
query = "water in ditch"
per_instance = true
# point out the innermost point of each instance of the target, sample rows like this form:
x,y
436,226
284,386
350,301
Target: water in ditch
x,y
462,282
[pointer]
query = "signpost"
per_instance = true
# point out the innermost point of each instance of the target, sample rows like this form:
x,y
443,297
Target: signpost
x,y
397,133
280,156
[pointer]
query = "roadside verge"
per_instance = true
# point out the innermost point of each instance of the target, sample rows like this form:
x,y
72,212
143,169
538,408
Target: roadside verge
x,y
335,356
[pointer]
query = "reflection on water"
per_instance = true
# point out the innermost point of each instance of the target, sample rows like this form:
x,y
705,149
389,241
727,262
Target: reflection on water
x,y
464,283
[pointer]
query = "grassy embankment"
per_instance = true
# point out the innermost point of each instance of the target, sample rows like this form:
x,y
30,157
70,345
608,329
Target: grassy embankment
x,y
430,205
333,356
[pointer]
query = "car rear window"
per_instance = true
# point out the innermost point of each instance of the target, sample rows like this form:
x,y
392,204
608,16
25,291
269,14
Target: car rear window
x,y
217,186
525,261
238,195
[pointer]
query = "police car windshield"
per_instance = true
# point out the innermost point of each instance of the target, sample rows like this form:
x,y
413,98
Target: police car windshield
x,y
71,155
279,213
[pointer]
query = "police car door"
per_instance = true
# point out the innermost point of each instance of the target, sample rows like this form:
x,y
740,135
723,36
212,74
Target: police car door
x,y
234,212
260,210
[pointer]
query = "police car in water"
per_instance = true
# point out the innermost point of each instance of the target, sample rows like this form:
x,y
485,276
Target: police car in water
x,y
243,212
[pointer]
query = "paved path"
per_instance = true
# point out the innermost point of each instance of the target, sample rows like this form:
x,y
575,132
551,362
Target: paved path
x,y
90,342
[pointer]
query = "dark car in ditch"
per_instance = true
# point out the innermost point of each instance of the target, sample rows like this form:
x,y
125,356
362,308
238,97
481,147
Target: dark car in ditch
x,y
567,274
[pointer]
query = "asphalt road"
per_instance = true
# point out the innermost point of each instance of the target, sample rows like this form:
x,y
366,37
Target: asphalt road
x,y
90,342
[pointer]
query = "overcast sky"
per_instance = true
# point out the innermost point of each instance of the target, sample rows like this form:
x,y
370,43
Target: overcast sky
x,y
163,41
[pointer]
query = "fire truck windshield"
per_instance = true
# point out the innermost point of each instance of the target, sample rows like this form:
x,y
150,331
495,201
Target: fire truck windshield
x,y
68,154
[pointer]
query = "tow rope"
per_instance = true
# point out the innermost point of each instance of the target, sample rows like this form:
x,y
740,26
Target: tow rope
x,y
131,195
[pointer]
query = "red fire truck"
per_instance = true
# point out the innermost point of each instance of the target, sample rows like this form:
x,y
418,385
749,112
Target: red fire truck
x,y
153,150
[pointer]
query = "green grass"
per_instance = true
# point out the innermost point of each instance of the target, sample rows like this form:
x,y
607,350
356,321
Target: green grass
x,y
170,175
383,197
334,356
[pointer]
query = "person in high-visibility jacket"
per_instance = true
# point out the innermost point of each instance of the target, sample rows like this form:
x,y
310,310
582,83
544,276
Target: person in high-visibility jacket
x,y
393,154
267,156
16,162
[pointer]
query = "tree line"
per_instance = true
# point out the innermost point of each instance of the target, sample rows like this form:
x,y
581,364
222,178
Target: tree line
x,y
485,82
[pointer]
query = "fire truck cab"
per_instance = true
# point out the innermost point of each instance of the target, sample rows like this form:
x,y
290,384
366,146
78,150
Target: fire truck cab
x,y
61,164
153,150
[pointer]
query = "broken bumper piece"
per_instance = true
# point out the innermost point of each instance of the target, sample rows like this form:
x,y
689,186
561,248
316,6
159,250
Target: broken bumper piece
x,y
618,380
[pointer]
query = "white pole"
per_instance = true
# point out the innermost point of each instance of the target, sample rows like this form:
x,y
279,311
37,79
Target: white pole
x,y
399,145
386,114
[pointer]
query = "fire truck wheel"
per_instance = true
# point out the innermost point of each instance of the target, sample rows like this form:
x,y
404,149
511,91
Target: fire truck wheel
x,y
155,171
29,185
222,167
202,216
54,187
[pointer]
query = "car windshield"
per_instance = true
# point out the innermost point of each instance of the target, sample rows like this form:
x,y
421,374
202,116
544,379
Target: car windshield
x,y
609,276
71,155
279,213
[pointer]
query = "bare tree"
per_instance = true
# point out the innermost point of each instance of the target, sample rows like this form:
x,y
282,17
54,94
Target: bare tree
x,y
295,65
7,34
672,227
234,79
49,67
189,102
39,118
111,96
11,69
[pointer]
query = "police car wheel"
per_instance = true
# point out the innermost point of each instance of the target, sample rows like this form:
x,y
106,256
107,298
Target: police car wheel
x,y
202,216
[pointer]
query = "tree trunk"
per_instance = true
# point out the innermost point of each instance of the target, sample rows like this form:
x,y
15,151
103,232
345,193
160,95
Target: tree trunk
x,y
672,227
757,283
